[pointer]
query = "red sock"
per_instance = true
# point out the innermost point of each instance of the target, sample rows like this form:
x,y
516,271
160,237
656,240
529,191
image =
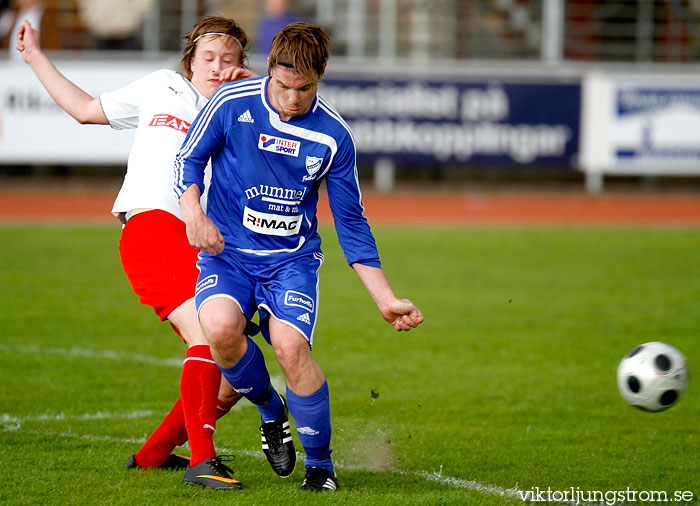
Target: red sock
x,y
223,407
199,389
169,434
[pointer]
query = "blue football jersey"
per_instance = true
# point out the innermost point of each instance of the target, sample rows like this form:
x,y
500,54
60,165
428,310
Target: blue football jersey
x,y
266,175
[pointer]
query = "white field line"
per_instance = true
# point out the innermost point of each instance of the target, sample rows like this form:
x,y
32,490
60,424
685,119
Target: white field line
x,y
9,423
445,480
468,484
278,381
93,354
100,415
437,477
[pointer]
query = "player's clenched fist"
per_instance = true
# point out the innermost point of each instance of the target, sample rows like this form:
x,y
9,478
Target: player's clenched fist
x,y
205,236
402,314
202,233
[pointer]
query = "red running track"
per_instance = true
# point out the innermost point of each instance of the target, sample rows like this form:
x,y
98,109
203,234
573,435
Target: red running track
x,y
429,208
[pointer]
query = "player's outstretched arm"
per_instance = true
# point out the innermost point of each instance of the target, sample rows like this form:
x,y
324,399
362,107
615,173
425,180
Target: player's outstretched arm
x,y
202,233
72,99
402,314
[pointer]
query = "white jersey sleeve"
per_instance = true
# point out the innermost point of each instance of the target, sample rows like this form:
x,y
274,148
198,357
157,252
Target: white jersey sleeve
x,y
122,106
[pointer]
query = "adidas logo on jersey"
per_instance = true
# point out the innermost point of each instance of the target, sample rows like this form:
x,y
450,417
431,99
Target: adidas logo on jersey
x,y
246,117
304,318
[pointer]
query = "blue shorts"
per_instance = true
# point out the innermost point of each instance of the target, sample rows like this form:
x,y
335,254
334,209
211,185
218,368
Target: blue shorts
x,y
287,291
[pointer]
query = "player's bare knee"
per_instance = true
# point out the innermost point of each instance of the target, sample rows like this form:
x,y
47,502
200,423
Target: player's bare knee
x,y
225,337
292,356
221,325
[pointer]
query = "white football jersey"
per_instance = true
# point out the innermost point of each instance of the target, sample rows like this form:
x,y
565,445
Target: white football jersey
x,y
160,106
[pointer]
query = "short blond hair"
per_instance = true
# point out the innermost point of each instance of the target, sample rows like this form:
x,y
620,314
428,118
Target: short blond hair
x,y
213,25
301,47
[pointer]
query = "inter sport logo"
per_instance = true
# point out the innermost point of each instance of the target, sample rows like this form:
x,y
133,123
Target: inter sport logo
x,y
279,145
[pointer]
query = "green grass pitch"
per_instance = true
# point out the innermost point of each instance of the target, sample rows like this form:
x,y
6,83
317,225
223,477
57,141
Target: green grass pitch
x,y
507,386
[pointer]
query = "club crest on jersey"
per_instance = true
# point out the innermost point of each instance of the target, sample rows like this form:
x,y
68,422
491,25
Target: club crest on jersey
x,y
313,165
279,145
170,121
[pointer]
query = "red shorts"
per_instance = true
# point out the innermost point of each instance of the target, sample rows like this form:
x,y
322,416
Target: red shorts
x,y
158,260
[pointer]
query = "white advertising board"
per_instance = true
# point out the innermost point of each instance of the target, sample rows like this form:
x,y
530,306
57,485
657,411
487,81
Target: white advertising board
x,y
34,130
641,125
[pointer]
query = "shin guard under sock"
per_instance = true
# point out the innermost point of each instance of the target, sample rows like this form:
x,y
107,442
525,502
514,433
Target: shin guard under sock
x,y
312,416
199,389
249,377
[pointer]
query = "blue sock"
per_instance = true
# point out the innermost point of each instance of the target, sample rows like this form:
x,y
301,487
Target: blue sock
x,y
312,416
249,376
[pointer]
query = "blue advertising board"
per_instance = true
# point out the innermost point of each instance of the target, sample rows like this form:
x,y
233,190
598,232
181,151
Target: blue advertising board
x,y
489,122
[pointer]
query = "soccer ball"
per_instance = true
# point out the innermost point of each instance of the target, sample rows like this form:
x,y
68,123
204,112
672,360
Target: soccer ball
x,y
653,376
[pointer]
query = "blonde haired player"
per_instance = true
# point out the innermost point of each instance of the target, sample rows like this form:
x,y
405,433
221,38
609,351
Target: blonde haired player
x,y
154,249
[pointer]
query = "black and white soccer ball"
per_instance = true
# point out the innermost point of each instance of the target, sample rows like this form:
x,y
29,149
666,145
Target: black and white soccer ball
x,y
653,376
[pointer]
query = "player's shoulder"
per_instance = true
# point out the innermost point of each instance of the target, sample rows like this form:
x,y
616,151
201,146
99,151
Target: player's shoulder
x,y
161,79
169,83
239,90
331,118
163,75
168,74
172,79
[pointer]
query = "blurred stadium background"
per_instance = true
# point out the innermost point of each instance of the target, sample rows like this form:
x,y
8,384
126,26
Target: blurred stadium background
x,y
581,95
578,106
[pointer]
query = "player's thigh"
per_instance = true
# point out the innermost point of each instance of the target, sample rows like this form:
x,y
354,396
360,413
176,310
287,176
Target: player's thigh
x,y
158,260
291,297
184,317
288,343
292,350
224,297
